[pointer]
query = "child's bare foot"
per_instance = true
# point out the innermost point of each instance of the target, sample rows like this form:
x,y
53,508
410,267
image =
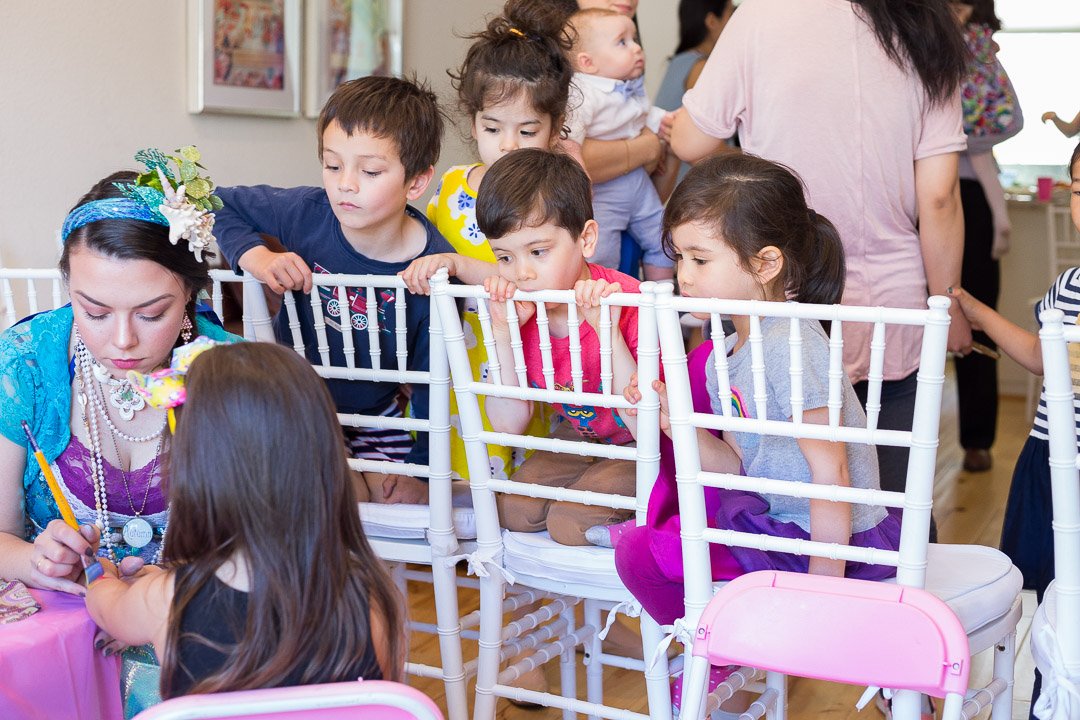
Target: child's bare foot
x,y
402,489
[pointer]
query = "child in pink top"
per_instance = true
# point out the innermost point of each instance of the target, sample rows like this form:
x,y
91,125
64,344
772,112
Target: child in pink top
x,y
535,210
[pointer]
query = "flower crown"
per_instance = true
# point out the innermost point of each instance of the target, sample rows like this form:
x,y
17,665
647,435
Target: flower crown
x,y
182,201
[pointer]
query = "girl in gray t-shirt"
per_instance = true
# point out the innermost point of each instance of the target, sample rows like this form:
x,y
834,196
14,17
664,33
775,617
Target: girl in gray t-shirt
x,y
738,227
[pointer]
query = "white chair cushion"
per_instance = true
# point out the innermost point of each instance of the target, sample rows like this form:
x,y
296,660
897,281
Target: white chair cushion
x,y
1060,696
410,522
1044,629
979,583
536,555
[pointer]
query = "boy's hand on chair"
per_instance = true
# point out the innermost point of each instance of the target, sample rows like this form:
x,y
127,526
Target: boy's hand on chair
x,y
278,271
499,290
589,293
421,270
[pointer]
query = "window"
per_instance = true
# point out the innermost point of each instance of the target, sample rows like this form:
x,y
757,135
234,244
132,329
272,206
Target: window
x,y
1040,49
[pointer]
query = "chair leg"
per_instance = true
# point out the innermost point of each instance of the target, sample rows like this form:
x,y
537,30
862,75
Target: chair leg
x,y
490,642
397,573
594,668
657,677
1004,668
695,684
568,664
448,619
906,705
778,681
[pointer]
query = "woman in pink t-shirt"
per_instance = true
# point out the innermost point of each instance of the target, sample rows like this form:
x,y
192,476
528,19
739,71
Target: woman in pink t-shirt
x,y
867,112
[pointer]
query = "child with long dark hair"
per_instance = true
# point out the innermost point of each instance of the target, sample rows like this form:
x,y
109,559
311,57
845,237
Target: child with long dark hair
x,y
268,579
738,227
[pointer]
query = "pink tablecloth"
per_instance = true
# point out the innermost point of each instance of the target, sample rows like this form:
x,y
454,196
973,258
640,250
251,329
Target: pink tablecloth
x,y
49,668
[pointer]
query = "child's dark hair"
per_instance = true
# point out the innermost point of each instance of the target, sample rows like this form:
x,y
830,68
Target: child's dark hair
x,y
258,469
750,203
129,239
405,111
531,187
1074,172
522,50
692,14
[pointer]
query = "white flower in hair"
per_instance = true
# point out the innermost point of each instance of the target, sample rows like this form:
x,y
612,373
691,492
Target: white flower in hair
x,y
186,221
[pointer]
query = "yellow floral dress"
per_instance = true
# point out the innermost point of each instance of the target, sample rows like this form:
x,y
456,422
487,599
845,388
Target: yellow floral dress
x,y
453,210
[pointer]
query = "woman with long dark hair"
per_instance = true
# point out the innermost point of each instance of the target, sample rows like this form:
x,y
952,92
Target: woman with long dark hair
x,y
861,99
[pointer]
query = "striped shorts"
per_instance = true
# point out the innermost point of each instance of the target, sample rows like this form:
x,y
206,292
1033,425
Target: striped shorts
x,y
379,444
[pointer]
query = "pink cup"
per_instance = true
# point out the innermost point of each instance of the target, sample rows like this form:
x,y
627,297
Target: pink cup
x,y
1045,187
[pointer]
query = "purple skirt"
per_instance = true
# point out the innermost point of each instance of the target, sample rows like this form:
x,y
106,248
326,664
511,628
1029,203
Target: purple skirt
x,y
749,512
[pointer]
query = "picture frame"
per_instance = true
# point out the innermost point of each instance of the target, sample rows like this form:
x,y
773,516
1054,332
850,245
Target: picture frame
x,y
244,57
347,39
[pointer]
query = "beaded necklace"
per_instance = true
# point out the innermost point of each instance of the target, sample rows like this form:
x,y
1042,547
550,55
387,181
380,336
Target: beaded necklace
x,y
137,532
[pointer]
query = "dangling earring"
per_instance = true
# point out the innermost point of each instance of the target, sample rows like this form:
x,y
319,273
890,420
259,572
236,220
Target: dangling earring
x,y
185,329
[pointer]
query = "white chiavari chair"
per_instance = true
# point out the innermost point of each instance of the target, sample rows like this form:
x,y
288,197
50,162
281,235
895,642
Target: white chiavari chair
x,y
979,584
26,291
565,575
1055,629
426,535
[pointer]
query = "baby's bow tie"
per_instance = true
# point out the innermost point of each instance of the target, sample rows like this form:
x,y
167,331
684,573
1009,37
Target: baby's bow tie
x,y
630,88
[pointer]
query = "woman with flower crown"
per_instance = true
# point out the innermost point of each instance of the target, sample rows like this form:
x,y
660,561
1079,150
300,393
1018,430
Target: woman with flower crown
x,y
133,266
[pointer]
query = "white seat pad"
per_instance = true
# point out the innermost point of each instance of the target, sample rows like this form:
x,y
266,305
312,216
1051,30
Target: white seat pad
x,y
1045,619
537,555
980,584
1058,697
410,522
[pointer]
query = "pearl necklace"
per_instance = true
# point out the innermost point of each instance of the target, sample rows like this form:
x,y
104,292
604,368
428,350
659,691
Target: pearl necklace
x,y
84,373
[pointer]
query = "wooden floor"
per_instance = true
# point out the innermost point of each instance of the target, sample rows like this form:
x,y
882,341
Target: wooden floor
x,y
968,508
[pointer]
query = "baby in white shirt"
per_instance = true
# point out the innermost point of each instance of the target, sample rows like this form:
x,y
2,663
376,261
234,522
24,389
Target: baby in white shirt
x,y
608,102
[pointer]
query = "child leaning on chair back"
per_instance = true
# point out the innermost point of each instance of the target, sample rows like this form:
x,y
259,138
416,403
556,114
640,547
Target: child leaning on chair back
x,y
738,227
512,90
535,211
379,138
268,579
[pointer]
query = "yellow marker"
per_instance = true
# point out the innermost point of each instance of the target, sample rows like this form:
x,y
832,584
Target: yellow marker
x,y
54,486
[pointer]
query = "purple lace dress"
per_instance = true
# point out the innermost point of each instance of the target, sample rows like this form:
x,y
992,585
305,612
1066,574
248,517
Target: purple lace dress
x,y
124,503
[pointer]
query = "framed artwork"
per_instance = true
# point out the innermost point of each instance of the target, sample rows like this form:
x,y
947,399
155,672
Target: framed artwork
x,y
244,56
347,39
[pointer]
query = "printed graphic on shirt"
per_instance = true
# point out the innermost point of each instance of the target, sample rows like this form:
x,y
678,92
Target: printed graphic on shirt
x,y
358,306
582,417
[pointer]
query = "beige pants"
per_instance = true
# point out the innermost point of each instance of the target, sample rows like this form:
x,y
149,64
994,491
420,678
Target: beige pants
x,y
567,522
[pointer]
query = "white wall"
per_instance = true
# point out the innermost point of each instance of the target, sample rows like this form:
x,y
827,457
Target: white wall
x,y
85,84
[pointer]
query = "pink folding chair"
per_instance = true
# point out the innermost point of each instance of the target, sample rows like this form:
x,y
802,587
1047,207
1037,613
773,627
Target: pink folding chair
x,y
371,700
832,629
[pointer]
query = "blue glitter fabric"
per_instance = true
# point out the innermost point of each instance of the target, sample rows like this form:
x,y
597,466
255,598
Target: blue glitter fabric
x,y
110,209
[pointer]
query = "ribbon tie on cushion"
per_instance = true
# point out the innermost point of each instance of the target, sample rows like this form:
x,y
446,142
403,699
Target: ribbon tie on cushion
x,y
630,88
1060,696
681,631
477,565
630,608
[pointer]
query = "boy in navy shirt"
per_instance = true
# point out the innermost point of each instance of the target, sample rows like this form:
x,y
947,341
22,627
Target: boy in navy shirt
x,y
379,139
